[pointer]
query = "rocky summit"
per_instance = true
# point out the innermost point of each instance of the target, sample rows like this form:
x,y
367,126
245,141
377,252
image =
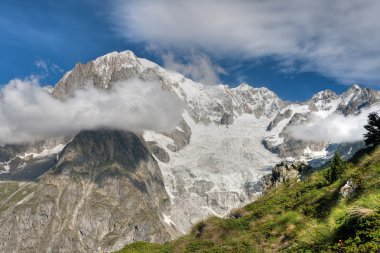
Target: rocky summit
x,y
101,189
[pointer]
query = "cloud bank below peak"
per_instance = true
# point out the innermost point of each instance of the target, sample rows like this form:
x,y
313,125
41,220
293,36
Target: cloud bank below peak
x,y
333,128
28,112
338,39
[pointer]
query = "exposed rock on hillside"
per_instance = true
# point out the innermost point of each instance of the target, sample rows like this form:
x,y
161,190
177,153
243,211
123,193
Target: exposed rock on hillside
x,y
105,191
348,189
284,172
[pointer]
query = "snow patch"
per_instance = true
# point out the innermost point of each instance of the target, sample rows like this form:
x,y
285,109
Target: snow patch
x,y
167,220
45,152
180,129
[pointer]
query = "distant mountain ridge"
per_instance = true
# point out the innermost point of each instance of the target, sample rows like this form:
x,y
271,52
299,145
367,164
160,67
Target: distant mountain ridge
x,y
227,140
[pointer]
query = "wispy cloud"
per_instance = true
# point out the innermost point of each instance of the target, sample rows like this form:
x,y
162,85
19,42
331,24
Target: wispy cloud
x,y
338,38
42,65
46,67
28,112
196,66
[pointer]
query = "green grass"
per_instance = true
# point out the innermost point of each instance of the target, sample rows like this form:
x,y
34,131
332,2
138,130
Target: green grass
x,y
7,188
306,216
13,192
144,247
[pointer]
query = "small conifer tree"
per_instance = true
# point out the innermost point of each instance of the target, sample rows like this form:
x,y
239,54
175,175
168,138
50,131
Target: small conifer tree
x,y
337,167
372,137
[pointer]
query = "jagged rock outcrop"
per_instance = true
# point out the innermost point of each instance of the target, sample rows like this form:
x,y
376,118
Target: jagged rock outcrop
x,y
260,101
348,189
279,117
105,191
356,98
284,172
158,152
323,99
100,73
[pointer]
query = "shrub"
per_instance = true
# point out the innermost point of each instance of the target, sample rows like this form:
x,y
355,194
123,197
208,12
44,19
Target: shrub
x,y
359,232
337,168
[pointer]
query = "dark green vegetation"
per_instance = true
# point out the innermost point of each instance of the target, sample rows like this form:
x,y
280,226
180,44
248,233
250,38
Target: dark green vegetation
x,y
305,216
372,137
336,169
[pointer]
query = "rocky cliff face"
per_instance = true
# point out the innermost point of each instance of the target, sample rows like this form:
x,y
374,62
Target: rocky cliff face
x,y
284,172
105,191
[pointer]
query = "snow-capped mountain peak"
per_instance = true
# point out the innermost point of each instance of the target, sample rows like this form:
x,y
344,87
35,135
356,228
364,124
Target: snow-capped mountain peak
x,y
324,95
356,98
243,87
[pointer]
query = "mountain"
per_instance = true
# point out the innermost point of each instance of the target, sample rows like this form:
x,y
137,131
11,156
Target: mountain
x,y
209,163
102,189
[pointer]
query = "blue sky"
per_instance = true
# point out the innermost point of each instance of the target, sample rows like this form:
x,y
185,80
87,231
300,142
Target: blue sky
x,y
283,47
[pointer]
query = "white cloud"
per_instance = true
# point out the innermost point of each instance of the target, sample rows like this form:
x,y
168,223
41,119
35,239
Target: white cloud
x,y
196,66
334,128
56,69
28,112
336,38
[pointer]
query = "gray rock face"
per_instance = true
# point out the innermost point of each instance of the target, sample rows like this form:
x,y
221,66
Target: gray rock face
x,y
105,191
227,119
283,172
279,118
347,190
259,101
357,98
159,152
100,73
181,136
326,97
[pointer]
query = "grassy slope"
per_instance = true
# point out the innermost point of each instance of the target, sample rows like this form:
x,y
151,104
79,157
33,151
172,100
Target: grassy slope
x,y
307,216
12,192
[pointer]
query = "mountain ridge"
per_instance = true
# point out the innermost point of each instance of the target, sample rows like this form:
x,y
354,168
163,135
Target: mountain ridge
x,y
210,164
